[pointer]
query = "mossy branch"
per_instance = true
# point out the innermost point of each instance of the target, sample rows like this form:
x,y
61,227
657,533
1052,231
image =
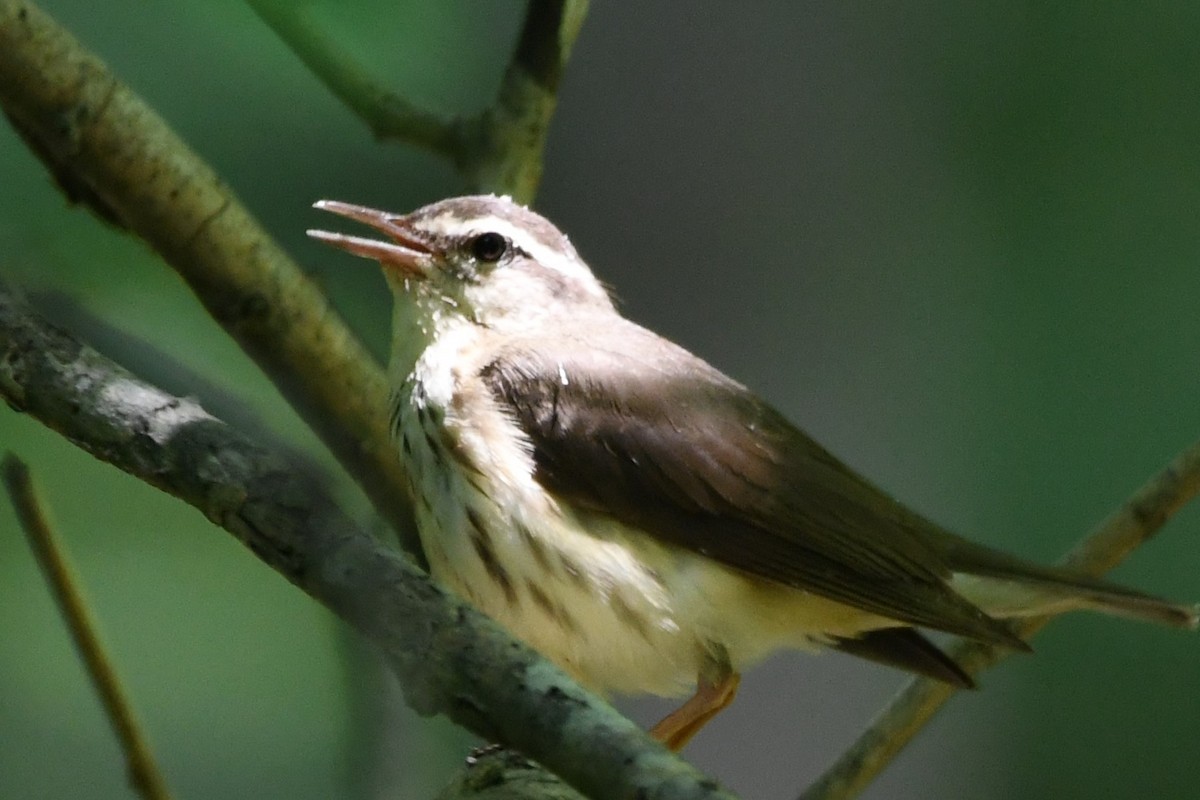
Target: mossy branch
x,y
110,150
450,658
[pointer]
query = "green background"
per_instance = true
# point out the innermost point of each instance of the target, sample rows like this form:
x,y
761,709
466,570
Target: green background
x,y
957,242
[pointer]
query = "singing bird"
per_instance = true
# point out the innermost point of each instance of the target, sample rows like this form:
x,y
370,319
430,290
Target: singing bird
x,y
641,519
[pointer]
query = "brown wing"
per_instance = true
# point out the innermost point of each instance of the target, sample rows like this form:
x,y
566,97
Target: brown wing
x,y
631,425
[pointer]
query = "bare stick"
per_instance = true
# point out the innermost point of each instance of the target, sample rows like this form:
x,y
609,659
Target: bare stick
x,y
51,556
110,150
1107,545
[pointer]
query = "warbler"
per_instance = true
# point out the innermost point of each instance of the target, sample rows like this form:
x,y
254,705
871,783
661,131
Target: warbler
x,y
641,519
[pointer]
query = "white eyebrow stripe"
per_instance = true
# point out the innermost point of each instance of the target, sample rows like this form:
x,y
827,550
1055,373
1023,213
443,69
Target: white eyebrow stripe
x,y
567,263
446,225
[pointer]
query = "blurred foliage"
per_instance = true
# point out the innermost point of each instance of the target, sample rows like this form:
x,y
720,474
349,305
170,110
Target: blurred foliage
x,y
957,242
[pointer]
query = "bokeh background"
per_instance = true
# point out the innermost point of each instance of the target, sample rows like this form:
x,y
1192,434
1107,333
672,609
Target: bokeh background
x,y
958,242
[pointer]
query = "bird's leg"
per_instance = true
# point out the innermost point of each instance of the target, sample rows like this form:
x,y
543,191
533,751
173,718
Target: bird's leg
x,y
677,728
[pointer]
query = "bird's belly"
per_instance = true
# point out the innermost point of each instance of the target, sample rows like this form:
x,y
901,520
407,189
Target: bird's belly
x,y
589,605
585,599
618,610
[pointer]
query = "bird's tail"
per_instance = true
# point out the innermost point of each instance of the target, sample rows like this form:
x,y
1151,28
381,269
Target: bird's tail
x,y
1006,586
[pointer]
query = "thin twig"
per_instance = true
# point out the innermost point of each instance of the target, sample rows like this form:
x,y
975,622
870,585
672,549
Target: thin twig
x,y
1107,545
449,657
95,133
387,114
51,556
499,149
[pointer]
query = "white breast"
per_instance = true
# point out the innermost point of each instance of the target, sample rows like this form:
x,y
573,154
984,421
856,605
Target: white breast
x,y
580,595
613,607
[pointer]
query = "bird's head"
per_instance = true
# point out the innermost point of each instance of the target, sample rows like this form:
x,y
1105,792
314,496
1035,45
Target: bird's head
x,y
482,258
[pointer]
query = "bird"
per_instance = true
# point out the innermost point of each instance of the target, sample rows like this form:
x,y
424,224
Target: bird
x,y
641,519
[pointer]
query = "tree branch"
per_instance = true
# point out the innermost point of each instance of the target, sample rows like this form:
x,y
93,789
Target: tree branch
x,y
387,114
143,771
510,137
505,775
112,151
500,149
1130,526
450,658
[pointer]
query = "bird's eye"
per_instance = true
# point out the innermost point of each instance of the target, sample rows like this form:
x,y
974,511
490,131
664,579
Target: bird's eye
x,y
489,247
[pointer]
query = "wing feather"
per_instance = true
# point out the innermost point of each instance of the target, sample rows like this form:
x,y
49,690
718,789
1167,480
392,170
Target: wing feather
x,y
631,425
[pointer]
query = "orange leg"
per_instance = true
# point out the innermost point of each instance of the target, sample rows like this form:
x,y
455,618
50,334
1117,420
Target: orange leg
x,y
677,728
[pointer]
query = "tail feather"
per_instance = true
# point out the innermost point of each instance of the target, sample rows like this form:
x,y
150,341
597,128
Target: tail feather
x,y
1005,585
908,650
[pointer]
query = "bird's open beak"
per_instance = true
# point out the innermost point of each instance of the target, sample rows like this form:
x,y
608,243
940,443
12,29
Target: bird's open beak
x,y
405,253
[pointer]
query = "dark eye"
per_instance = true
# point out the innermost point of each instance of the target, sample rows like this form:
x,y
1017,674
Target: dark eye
x,y
489,247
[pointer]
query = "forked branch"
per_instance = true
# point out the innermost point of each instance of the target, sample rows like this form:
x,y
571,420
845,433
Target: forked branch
x,y
500,148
